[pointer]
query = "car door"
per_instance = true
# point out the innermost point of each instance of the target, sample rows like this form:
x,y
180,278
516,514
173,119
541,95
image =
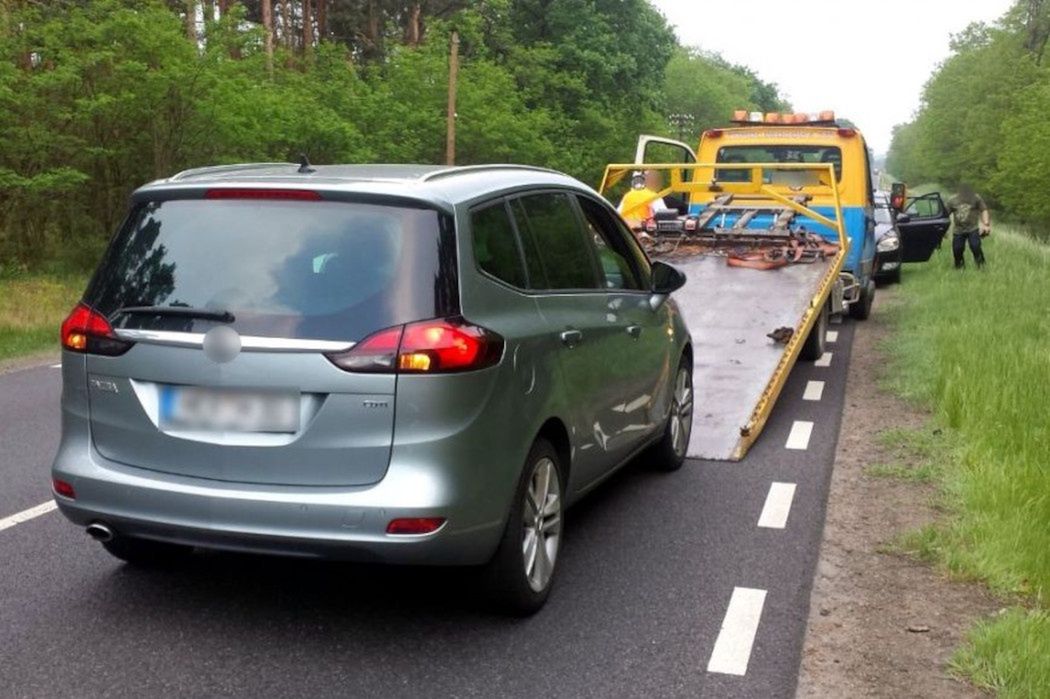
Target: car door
x,y
922,226
642,353
564,277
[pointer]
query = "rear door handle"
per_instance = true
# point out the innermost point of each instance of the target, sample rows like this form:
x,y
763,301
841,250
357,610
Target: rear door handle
x,y
634,331
571,338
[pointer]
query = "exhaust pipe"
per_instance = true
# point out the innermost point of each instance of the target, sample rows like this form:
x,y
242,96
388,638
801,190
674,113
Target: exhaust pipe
x,y
100,532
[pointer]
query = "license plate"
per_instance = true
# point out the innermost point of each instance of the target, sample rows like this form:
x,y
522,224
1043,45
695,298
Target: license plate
x,y
195,408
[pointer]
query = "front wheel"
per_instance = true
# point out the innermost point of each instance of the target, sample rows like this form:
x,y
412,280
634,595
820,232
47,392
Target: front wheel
x,y
862,308
521,573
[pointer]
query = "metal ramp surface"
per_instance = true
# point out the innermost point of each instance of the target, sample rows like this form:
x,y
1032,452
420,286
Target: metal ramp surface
x,y
729,311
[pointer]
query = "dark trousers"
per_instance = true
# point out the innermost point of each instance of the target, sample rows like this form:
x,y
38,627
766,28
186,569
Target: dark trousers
x,y
959,241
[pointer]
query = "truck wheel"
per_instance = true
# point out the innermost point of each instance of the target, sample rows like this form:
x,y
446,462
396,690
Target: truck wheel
x,y
521,572
815,343
862,308
669,453
145,553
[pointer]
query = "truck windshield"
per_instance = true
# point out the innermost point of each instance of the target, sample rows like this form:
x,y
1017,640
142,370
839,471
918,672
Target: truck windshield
x,y
776,154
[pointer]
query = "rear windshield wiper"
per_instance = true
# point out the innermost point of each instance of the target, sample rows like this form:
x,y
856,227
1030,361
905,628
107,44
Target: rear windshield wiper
x,y
179,311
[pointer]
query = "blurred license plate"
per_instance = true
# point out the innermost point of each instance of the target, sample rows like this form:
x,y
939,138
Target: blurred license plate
x,y
194,408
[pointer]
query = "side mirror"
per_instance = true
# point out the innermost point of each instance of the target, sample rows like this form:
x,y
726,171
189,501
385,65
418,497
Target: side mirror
x,y
666,279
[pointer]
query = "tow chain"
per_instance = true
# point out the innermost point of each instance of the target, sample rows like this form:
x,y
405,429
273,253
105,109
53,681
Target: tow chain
x,y
800,247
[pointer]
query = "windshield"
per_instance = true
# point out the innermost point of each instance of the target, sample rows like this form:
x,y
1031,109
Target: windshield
x,y
289,269
776,154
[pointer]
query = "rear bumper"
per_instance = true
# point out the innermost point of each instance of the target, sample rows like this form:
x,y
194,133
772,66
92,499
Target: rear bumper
x,y
339,523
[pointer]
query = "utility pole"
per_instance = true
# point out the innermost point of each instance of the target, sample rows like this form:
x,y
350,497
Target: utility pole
x,y
453,76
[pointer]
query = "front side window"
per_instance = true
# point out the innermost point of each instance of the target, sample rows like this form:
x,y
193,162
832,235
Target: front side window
x,y
559,248
613,254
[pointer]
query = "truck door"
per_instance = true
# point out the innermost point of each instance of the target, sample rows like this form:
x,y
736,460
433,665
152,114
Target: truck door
x,y
922,226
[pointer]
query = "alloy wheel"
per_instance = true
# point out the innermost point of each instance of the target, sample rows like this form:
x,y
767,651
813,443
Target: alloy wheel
x,y
682,412
542,524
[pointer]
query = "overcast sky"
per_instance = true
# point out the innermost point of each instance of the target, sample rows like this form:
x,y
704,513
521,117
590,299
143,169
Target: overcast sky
x,y
866,60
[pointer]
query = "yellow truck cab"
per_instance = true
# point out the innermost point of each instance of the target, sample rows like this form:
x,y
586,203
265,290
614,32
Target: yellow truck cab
x,y
757,138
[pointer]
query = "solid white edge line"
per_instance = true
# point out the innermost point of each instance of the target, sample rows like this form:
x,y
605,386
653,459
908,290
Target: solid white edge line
x,y
56,366
26,515
824,361
833,336
814,390
778,506
732,650
800,434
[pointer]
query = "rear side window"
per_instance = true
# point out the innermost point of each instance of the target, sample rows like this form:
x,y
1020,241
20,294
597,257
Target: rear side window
x,y
289,269
560,249
496,245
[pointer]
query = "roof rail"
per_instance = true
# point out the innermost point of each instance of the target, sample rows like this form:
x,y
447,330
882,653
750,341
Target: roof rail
x,y
469,169
218,169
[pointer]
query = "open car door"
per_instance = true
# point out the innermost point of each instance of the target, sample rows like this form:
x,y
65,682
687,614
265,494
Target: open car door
x,y
922,226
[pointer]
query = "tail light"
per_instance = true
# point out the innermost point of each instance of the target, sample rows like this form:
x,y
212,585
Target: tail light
x,y
690,224
414,525
428,347
650,225
87,331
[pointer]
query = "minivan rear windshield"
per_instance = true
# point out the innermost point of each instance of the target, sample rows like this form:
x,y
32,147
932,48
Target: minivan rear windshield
x,y
319,270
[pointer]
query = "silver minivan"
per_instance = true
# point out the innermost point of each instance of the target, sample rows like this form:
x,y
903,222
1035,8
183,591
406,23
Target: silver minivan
x,y
403,364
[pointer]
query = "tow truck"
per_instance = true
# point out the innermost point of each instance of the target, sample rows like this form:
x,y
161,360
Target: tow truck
x,y
773,226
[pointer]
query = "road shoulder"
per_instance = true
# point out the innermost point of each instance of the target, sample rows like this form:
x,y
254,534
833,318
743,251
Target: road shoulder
x,y
29,361
881,623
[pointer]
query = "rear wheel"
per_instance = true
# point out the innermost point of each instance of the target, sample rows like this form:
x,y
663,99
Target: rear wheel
x,y
813,349
146,553
862,308
522,571
669,453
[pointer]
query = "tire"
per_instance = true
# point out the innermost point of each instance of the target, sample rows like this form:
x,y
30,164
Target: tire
x,y
862,308
813,349
895,278
669,453
520,576
145,553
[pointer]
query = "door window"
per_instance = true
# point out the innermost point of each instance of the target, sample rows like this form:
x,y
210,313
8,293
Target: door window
x,y
496,246
926,206
557,253
619,269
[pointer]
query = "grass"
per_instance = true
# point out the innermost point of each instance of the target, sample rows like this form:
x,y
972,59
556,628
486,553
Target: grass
x,y
31,309
975,347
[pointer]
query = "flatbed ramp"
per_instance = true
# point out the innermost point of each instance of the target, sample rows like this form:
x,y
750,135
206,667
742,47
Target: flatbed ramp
x,y
733,359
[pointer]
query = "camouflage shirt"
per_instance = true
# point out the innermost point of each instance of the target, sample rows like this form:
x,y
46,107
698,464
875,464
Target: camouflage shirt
x,y
967,212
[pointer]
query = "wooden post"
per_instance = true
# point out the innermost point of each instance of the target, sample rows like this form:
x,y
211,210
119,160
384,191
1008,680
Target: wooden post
x,y
453,76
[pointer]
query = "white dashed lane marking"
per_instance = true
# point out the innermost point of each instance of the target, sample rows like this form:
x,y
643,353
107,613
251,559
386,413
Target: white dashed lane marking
x,y
800,433
778,506
56,366
26,515
814,390
732,649
833,336
824,361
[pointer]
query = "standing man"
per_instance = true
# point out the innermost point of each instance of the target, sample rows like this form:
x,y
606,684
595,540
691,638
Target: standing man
x,y
639,204
972,222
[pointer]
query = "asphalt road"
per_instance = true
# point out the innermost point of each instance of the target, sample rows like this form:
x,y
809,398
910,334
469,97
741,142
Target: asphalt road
x,y
664,581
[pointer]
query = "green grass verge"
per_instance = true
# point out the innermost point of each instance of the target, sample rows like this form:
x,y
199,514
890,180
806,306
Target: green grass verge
x,y
975,346
31,309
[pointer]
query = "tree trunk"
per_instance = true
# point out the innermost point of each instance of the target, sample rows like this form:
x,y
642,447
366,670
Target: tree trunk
x,y
308,28
191,20
287,26
413,30
322,20
267,19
